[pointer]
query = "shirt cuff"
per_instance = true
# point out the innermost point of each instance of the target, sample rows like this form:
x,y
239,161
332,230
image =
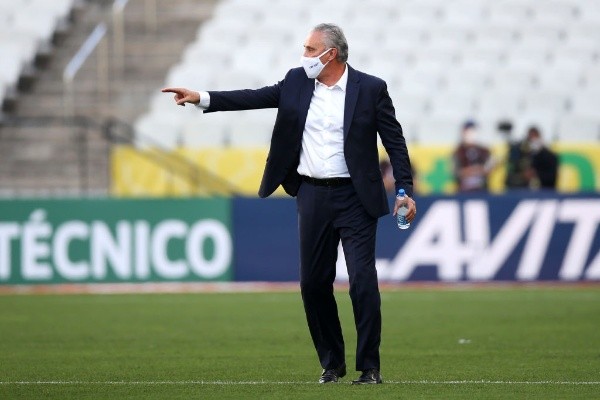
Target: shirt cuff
x,y
204,101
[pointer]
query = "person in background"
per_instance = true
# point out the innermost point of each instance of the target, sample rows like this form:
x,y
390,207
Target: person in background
x,y
387,173
517,160
472,161
542,172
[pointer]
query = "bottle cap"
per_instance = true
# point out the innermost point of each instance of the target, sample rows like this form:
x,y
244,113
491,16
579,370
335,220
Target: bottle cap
x,y
401,192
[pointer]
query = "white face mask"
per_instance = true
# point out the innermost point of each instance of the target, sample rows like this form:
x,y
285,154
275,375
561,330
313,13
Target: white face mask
x,y
535,145
469,136
313,65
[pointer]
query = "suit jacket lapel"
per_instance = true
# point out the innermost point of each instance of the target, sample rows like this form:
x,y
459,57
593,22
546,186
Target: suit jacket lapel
x,y
351,98
306,93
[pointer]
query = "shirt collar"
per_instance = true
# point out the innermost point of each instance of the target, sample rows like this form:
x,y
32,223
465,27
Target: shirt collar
x,y
341,83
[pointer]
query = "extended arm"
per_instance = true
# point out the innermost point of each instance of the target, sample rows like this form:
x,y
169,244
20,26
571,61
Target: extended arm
x,y
232,100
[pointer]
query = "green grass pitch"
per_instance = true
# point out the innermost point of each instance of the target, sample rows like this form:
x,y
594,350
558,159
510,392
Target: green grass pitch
x,y
467,343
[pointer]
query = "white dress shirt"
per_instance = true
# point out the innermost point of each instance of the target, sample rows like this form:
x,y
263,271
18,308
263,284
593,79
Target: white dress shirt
x,y
322,154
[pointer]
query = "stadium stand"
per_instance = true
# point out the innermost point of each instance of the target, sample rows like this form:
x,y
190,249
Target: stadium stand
x,y
27,29
44,154
444,60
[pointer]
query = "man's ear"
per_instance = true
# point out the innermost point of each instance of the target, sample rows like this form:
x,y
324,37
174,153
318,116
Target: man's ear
x,y
335,53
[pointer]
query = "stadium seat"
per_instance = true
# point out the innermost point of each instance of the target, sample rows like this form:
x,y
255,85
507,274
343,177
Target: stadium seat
x,y
462,13
509,12
554,13
421,12
192,75
589,11
158,130
578,128
500,103
206,130
517,79
574,58
26,30
236,79
465,80
198,53
449,37
251,11
591,78
494,36
252,128
448,104
542,101
540,37
10,70
409,107
585,103
439,130
527,58
484,59
36,22
435,61
419,81
225,34
559,78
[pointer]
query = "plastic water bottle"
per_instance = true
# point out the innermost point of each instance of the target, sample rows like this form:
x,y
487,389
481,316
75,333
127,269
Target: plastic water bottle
x,y
401,214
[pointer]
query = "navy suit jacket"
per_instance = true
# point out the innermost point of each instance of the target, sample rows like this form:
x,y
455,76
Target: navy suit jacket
x,y
368,110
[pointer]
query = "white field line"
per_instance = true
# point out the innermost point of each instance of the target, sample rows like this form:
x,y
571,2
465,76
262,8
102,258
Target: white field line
x,y
250,383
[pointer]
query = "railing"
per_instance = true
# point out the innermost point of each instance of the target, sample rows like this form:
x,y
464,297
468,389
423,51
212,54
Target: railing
x,y
84,145
94,40
63,162
200,180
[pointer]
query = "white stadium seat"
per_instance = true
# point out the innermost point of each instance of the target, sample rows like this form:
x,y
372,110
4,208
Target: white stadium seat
x,y
585,103
591,78
559,78
516,79
578,128
554,12
466,80
573,57
526,58
162,130
26,29
544,102
509,12
500,103
252,128
448,104
206,130
589,11
439,130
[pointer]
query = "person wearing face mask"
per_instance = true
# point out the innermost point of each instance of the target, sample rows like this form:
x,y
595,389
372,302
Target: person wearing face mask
x,y
543,167
472,161
324,152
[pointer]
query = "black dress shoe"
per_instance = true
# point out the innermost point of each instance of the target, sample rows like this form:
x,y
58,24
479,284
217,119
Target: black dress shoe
x,y
332,375
368,376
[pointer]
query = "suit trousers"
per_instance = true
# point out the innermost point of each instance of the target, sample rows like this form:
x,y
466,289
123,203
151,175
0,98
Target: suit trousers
x,y
327,215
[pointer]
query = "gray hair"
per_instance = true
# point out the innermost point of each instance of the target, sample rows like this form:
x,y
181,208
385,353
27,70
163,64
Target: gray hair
x,y
334,39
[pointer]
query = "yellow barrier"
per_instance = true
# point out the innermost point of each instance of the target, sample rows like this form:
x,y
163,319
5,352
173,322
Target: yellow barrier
x,y
134,175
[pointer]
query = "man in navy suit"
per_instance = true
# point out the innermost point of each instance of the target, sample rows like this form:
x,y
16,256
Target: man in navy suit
x,y
324,152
